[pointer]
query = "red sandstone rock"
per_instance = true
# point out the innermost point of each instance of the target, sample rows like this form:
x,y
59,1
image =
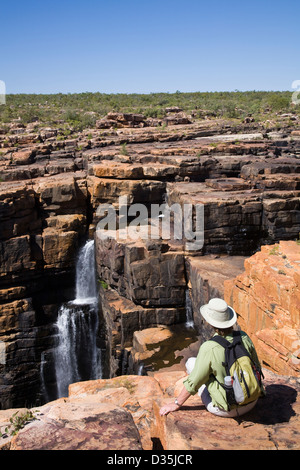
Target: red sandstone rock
x,y
273,424
123,317
147,272
59,248
266,297
134,393
123,414
80,426
23,157
40,220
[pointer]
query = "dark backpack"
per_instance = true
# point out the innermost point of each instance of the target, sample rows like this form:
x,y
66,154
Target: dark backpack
x,y
245,374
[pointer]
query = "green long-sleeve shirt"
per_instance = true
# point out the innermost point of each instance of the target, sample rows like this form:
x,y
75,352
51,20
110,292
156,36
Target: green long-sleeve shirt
x,y
208,362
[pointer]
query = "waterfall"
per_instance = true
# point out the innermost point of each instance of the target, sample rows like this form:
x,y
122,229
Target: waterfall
x,y
86,291
77,357
140,369
42,377
189,310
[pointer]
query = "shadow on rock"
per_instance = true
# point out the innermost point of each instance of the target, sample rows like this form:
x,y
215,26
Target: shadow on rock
x,y
275,407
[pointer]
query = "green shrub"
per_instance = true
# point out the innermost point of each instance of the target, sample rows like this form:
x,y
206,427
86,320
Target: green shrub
x,y
17,422
74,109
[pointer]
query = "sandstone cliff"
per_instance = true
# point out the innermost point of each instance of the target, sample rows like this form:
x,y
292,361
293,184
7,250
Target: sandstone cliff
x,y
122,413
266,297
50,190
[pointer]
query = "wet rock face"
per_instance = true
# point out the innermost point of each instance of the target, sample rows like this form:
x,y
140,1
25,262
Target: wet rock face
x,y
42,226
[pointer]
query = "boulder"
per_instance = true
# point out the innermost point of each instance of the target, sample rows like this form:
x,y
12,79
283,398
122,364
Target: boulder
x,y
60,248
280,165
79,426
108,191
145,169
131,392
24,172
68,223
119,120
146,343
177,118
23,156
55,167
161,348
15,256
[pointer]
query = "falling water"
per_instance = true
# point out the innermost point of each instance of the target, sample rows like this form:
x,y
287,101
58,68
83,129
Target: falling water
x,y
189,310
77,357
86,291
42,377
140,369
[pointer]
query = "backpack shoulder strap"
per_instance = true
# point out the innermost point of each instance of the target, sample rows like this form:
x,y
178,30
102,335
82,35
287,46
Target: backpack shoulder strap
x,y
230,353
220,340
226,344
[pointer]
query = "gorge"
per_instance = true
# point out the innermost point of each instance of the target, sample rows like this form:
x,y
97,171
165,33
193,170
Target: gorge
x,y
78,304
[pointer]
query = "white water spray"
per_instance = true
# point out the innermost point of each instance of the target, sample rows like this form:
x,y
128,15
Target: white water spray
x,y
189,310
77,357
86,291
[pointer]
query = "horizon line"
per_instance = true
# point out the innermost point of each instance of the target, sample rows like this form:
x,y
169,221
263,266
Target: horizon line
x,y
147,93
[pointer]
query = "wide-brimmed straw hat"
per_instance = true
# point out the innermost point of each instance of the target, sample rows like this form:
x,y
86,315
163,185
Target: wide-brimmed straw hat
x,y
218,313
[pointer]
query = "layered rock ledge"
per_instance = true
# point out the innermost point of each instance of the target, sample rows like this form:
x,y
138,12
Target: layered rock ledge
x,y
50,190
266,297
123,414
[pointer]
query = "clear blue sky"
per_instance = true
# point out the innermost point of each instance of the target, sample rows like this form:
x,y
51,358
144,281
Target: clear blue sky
x,y
130,46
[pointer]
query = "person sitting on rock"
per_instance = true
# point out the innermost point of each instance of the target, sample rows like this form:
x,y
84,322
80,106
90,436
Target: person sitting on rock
x,y
207,371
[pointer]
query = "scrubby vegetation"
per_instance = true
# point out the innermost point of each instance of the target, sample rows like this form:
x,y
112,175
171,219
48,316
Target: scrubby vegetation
x,y
17,422
82,110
